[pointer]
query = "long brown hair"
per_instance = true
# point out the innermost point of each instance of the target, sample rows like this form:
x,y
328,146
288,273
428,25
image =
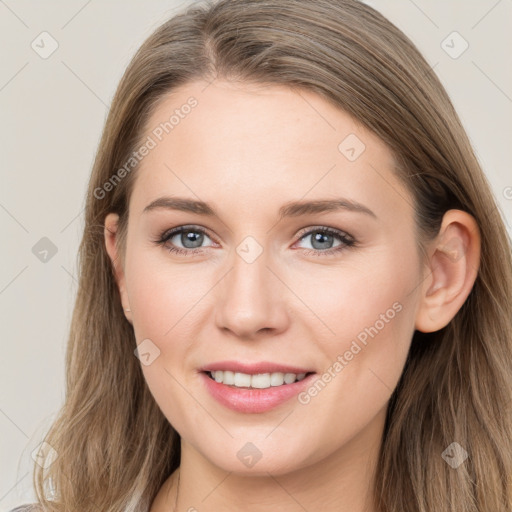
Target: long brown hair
x,y
115,447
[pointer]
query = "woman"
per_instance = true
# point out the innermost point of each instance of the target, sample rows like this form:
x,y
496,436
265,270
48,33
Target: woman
x,y
215,362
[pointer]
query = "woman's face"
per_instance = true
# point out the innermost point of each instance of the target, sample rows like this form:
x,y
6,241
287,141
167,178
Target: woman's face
x,y
261,293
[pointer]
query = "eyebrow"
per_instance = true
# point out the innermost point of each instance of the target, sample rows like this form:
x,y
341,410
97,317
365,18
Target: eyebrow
x,y
290,209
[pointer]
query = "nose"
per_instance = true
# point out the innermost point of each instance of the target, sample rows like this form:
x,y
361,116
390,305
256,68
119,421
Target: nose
x,y
251,300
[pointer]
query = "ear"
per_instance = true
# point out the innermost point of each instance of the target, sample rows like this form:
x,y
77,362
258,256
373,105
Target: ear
x,y
111,241
452,266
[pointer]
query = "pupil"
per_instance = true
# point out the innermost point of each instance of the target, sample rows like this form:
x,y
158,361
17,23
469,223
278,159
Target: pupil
x,y
194,237
323,239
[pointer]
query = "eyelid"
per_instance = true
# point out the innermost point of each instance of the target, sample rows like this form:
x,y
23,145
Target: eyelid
x,y
346,239
185,227
327,229
170,232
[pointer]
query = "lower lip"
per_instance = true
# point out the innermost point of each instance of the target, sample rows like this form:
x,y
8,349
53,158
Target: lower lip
x,y
253,400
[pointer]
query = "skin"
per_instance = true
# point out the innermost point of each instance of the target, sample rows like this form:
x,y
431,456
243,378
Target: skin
x,y
247,150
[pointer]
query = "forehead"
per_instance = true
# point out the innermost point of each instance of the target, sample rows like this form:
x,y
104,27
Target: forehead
x,y
243,141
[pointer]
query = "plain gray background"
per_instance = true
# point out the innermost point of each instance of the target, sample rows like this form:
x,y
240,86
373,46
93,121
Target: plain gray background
x,y
52,114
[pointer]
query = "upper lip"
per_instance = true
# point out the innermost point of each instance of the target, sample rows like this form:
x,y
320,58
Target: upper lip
x,y
254,368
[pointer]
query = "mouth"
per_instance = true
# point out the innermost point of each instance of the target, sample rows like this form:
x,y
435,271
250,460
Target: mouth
x,y
255,388
255,381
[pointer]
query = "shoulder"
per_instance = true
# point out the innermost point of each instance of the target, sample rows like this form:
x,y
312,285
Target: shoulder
x,y
26,508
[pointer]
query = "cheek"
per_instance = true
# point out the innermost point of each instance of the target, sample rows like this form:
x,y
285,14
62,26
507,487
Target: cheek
x,y
364,292
162,295
369,312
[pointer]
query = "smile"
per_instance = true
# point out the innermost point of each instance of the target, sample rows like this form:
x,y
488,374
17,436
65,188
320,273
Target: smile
x,y
254,388
257,381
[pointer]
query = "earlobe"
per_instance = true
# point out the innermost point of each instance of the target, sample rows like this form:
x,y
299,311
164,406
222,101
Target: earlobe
x,y
454,257
111,244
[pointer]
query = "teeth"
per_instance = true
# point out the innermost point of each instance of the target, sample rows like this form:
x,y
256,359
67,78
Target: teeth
x,y
258,381
276,379
242,380
289,378
229,378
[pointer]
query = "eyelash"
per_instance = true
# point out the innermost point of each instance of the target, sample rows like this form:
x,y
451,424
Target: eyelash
x,y
347,240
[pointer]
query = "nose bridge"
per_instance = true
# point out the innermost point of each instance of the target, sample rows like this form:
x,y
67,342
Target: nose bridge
x,y
248,283
250,300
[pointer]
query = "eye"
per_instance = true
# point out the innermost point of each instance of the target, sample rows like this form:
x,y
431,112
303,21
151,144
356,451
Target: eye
x,y
191,238
322,239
